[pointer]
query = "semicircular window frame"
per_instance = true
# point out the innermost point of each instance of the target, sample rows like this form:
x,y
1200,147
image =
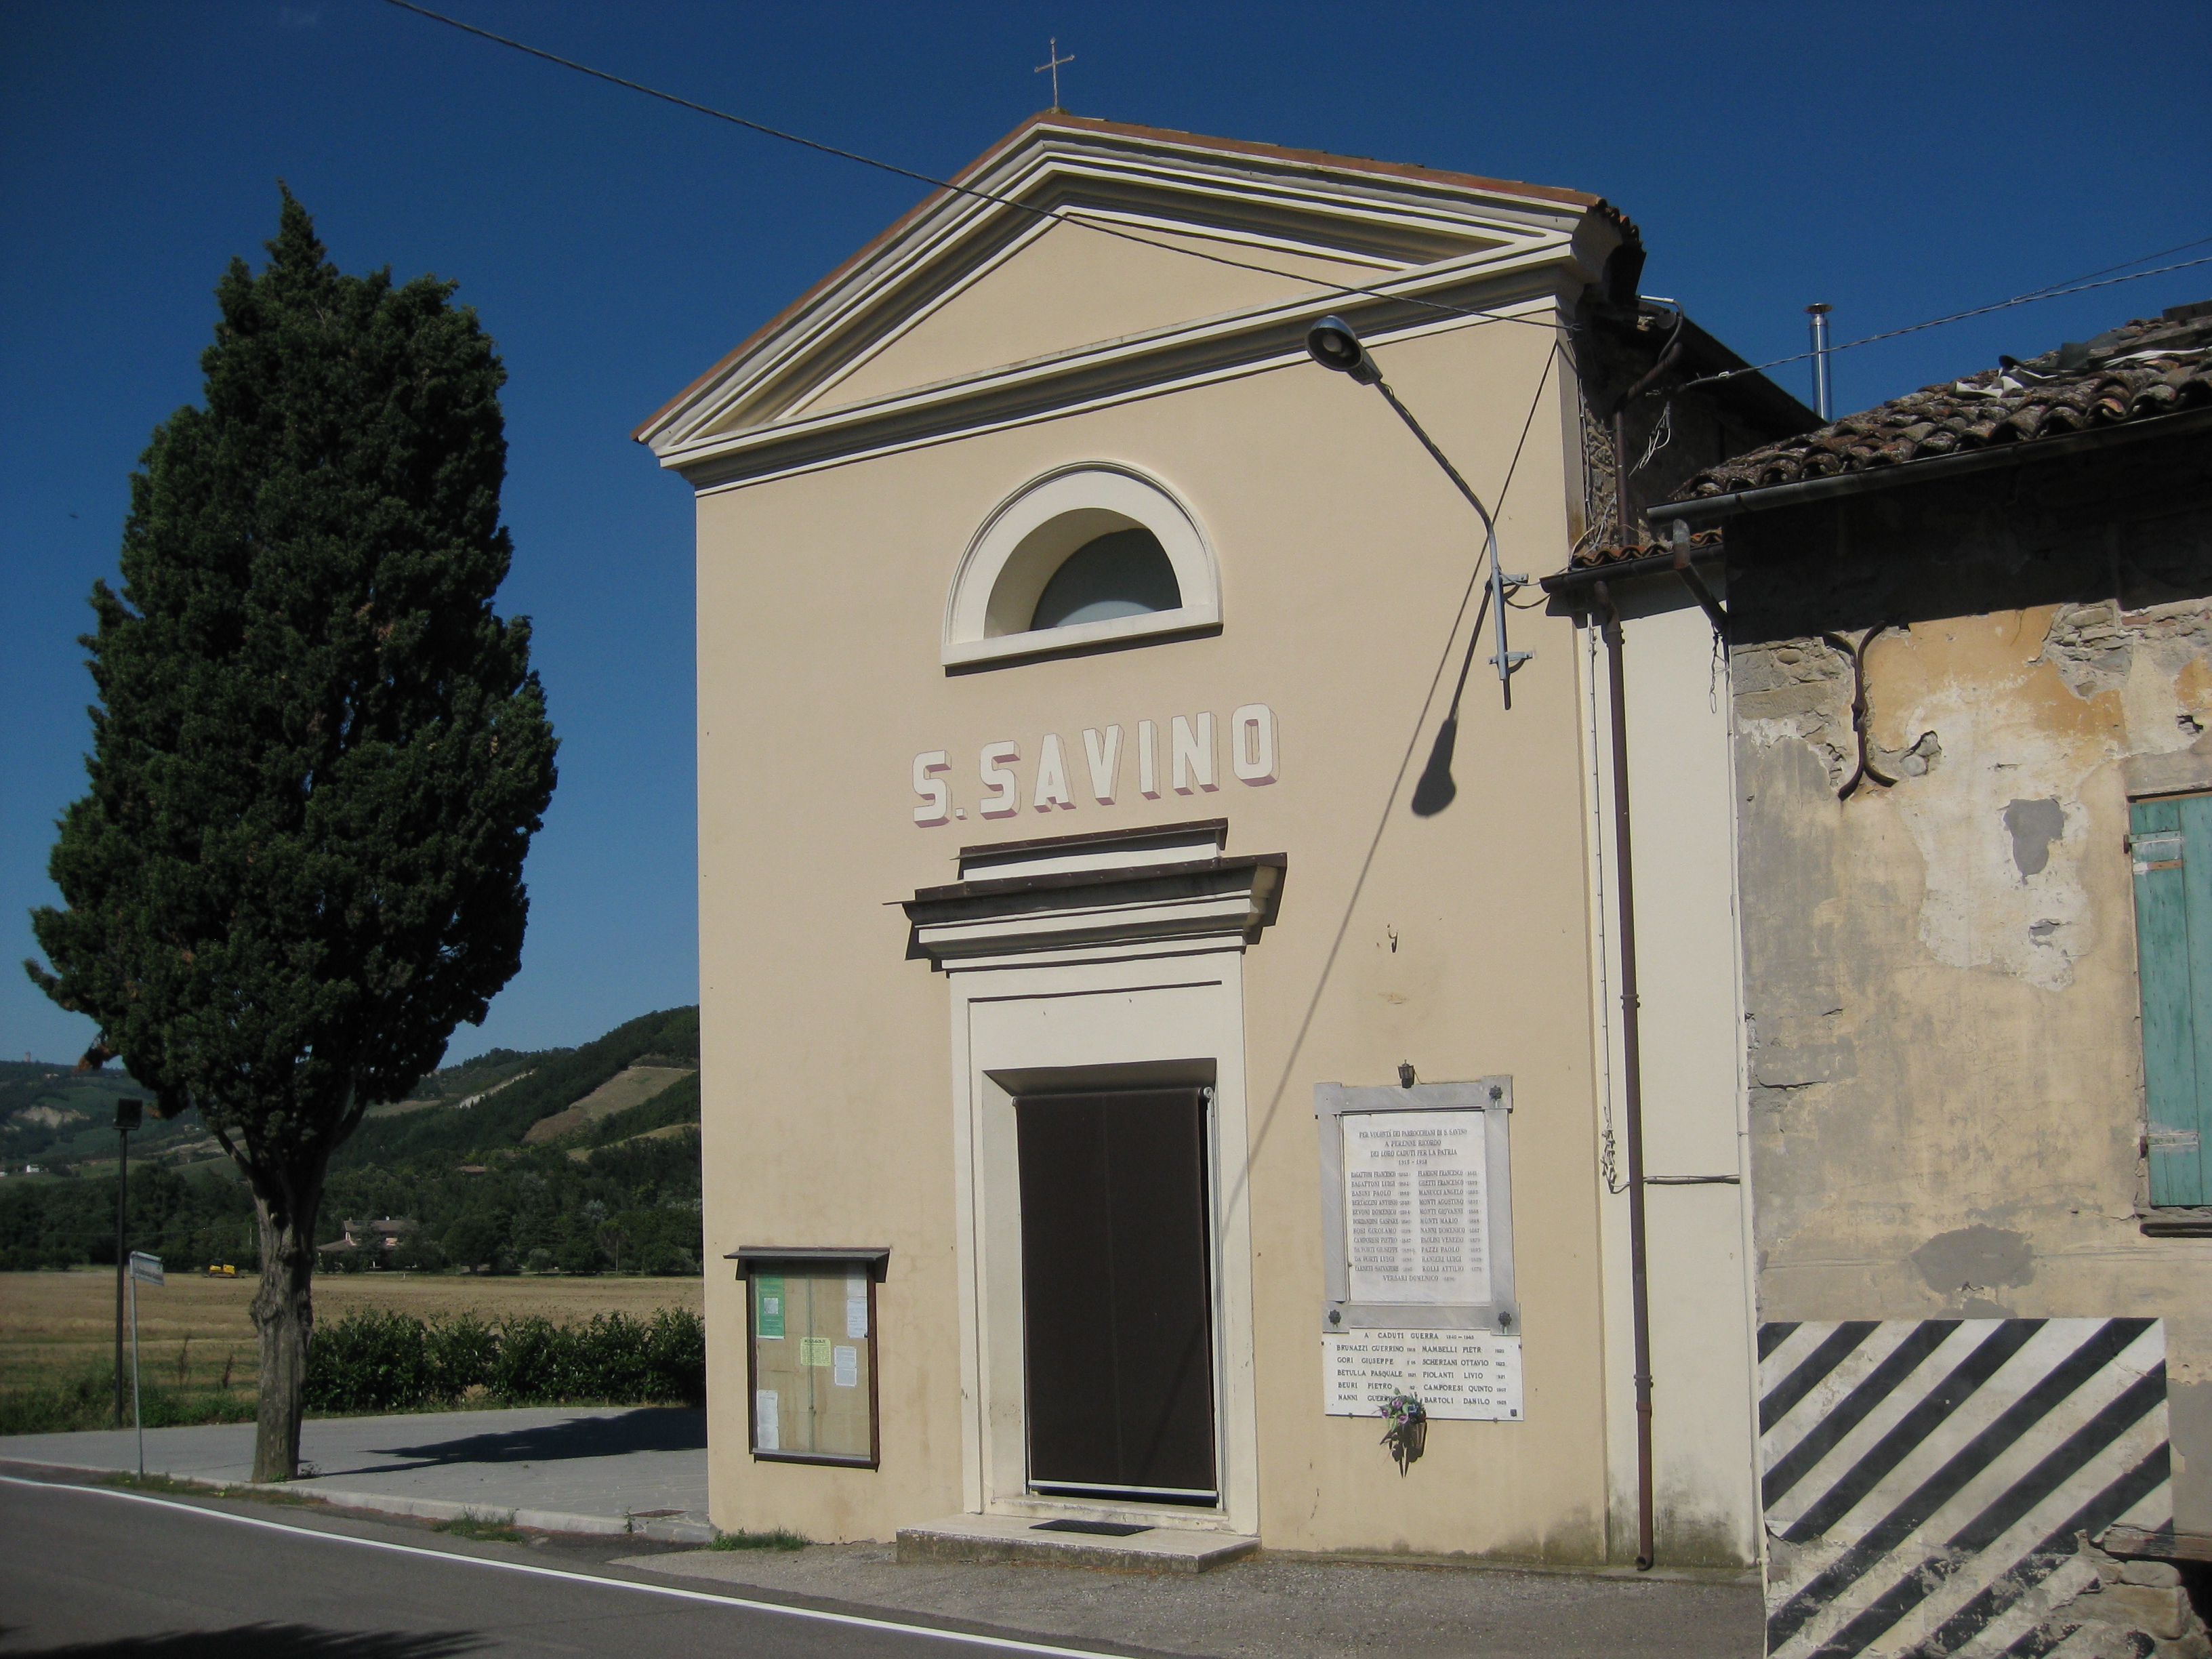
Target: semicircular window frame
x,y
1026,540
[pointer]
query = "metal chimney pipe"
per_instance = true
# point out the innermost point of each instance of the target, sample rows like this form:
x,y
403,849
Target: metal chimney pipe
x,y
1824,402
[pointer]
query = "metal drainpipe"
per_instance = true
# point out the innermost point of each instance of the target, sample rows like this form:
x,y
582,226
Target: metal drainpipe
x,y
1632,1045
1631,1070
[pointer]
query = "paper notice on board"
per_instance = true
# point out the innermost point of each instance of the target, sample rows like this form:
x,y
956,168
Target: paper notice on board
x,y
767,1431
768,1307
856,1305
845,1367
813,1350
1467,1375
1414,1212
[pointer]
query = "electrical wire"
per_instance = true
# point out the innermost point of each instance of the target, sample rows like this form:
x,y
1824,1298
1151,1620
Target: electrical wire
x,y
2077,285
2054,292
1053,214
2106,270
1528,422
1662,435
1512,466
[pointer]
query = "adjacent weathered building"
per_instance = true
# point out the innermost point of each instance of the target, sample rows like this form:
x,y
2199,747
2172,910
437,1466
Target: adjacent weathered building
x,y
1971,667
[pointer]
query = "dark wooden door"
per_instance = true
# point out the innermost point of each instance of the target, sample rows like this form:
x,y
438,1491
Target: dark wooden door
x,y
1116,1294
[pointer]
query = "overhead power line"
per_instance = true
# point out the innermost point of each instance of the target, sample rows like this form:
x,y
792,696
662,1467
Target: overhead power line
x,y
2124,265
2078,285
2056,291
1053,214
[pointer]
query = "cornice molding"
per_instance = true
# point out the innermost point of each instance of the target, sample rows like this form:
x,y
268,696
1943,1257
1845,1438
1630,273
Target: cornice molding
x,y
1229,900
1121,371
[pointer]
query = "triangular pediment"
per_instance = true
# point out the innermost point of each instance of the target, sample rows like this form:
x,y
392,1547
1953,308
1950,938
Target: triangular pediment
x,y
1080,281
1072,237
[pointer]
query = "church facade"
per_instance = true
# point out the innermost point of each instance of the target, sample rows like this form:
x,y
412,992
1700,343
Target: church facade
x,y
1164,1060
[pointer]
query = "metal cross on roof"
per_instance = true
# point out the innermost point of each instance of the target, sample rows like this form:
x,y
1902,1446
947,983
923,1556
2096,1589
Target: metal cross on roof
x,y
1054,61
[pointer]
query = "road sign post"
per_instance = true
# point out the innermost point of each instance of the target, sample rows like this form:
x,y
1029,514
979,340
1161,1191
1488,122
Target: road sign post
x,y
144,1269
129,1114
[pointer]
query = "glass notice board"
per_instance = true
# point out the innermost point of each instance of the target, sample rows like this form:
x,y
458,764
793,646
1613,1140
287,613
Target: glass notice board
x,y
813,1361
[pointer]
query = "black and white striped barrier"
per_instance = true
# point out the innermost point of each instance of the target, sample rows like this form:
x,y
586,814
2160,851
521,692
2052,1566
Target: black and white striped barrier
x,y
1927,1483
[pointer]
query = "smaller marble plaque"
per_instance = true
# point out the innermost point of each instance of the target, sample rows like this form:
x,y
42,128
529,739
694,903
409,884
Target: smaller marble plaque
x,y
1468,1375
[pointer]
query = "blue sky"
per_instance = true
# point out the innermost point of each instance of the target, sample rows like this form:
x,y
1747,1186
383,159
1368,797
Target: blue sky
x,y
1898,162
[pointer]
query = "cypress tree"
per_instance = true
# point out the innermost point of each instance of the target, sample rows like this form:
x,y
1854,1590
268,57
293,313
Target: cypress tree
x,y
318,755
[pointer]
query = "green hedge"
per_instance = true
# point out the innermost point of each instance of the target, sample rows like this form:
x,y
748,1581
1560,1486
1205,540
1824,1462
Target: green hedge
x,y
374,1360
87,1400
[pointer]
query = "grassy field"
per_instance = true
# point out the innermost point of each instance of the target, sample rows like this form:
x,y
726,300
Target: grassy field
x,y
194,1331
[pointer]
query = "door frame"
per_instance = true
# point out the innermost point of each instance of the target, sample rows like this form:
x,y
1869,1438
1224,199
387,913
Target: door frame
x,y
1096,1017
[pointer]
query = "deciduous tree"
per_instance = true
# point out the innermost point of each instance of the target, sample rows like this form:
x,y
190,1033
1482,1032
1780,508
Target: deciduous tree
x,y
318,755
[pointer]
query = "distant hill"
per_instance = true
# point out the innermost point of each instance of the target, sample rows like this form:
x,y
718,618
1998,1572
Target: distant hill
x,y
627,1090
464,1083
54,1116
641,1076
563,1159
495,1101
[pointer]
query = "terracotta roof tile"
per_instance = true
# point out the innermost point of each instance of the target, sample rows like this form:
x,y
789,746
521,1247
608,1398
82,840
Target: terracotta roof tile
x,y
1595,557
2145,368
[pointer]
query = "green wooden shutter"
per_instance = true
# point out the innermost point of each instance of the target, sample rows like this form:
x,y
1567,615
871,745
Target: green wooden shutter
x,y
2173,850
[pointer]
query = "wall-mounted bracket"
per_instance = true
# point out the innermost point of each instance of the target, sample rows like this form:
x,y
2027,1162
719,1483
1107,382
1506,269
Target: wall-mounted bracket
x,y
1715,611
1854,651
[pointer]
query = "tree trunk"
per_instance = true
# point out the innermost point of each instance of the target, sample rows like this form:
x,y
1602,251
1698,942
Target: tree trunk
x,y
284,1315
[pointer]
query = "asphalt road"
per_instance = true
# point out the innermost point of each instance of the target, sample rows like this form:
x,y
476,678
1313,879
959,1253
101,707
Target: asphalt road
x,y
89,1571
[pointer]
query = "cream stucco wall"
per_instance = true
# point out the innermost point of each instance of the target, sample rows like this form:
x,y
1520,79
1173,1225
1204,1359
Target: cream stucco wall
x,y
843,1096
1462,947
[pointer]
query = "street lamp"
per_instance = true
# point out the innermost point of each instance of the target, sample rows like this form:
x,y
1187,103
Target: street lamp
x,y
1332,343
1335,344
129,1114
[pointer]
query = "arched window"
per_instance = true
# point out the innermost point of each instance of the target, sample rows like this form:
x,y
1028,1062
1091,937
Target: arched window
x,y
1083,556
1123,573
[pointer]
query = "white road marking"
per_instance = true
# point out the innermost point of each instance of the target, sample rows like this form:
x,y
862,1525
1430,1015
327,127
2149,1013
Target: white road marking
x,y
1001,1643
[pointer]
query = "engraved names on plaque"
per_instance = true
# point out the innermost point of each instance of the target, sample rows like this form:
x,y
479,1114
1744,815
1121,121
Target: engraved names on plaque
x,y
1471,1375
1414,1222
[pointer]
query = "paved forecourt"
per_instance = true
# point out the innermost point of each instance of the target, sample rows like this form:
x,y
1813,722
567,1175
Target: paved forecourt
x,y
613,1469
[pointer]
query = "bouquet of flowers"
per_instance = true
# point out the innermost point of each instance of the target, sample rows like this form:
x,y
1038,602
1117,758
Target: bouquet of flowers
x,y
1408,1433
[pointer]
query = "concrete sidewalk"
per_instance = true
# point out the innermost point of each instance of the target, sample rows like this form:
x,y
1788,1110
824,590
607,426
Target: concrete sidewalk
x,y
1270,1606
580,1469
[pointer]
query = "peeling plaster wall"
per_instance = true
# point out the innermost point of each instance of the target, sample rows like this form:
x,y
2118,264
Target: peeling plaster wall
x,y
1942,1007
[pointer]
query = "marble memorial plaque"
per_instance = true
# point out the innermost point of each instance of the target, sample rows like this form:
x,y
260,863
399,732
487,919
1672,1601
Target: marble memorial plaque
x,y
1414,1222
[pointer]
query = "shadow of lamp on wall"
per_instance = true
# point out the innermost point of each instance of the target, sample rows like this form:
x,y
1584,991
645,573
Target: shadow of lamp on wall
x,y
1332,342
